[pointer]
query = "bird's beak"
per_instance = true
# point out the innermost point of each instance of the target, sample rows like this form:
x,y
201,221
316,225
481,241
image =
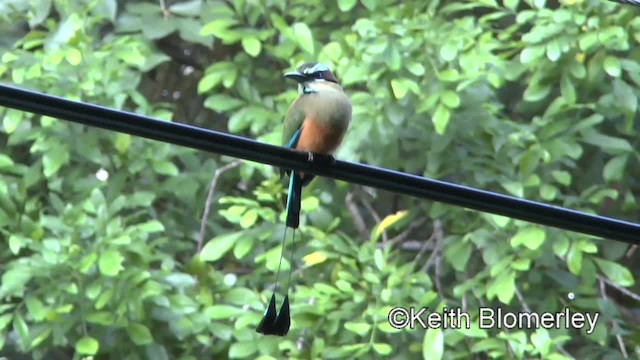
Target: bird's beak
x,y
297,76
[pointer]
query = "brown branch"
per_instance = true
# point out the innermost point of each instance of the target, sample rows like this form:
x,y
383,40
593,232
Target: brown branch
x,y
207,204
631,250
436,257
405,234
426,245
358,221
525,306
437,232
603,293
630,294
375,215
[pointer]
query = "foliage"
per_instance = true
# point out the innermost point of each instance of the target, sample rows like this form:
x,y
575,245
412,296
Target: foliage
x,y
99,229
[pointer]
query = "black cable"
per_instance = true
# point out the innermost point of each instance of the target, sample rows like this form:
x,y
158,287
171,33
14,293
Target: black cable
x,y
235,146
628,2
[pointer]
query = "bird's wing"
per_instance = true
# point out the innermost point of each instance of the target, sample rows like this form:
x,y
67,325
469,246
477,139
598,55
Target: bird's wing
x,y
292,123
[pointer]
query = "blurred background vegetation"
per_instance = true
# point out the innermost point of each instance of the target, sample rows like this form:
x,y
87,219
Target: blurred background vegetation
x,y
100,231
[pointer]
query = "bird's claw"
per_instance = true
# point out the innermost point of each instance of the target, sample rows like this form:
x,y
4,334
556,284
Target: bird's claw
x,y
310,157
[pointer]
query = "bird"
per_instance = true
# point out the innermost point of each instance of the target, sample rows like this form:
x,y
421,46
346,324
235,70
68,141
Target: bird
x,y
628,2
315,123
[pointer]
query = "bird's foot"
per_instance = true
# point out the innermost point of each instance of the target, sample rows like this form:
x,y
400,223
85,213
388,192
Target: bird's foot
x,y
310,157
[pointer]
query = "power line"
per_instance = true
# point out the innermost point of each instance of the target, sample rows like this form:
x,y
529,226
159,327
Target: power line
x,y
236,146
628,2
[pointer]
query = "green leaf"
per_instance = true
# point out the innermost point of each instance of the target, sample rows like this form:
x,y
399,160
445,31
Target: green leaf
x,y
531,237
105,318
165,167
218,27
473,331
574,259
523,264
382,348
625,97
221,103
500,221
332,50
548,192
561,246
217,247
450,99
433,344
615,272
536,92
440,118
567,89
21,328
186,8
13,281
415,68
401,87
242,247
608,143
304,37
110,263
5,320
251,46
249,218
151,226
553,50
611,65
139,334
505,286
209,81
449,75
242,349
218,312
531,53
11,120
541,340
358,328
562,177
87,346
73,56
392,57
448,51
615,168
109,8
122,142
35,308
346,5
53,159
5,161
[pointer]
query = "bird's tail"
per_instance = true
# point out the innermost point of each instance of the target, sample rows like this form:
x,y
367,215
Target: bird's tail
x,y
294,200
273,322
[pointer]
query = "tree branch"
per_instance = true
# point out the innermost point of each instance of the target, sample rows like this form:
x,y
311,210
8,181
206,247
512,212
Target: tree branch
x,y
207,204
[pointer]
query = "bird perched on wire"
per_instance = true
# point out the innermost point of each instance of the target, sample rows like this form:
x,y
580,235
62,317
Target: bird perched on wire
x,y
315,123
629,2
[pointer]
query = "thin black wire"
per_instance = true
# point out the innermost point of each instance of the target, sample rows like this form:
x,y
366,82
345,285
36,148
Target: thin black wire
x,y
628,2
236,146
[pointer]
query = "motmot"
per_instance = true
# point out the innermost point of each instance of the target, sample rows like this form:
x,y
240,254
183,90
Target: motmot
x,y
315,123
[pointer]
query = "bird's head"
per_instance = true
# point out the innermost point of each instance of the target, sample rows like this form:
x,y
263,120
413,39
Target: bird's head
x,y
310,72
